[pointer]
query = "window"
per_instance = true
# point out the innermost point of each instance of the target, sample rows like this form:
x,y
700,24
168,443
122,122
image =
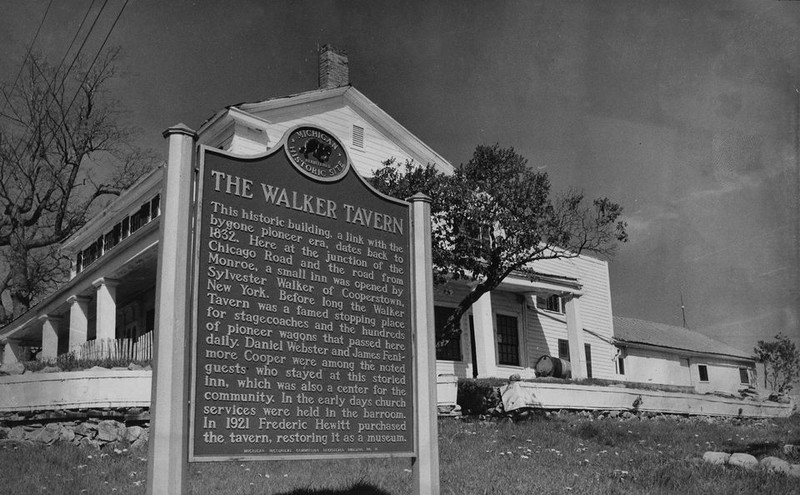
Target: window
x,y
451,351
507,340
588,349
113,237
703,370
155,206
744,376
140,218
563,349
550,303
130,224
620,365
91,253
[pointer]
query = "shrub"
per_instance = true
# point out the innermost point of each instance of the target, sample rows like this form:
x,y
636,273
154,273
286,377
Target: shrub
x,y
478,396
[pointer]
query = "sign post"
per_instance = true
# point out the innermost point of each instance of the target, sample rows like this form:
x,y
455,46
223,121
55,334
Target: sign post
x,y
426,464
166,464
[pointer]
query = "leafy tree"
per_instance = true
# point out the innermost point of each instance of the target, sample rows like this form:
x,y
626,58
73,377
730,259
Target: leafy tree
x,y
495,215
62,151
781,360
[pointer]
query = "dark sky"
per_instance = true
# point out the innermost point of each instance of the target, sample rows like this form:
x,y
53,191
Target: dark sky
x,y
683,112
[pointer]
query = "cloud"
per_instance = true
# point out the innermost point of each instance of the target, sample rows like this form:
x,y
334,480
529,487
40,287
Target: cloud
x,y
745,331
732,183
648,222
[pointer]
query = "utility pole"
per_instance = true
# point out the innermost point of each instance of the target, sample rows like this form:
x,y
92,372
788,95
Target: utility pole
x,y
797,197
683,310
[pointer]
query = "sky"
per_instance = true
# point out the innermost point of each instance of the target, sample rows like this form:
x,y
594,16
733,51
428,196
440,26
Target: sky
x,y
685,113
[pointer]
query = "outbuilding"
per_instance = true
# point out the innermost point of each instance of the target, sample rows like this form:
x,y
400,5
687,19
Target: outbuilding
x,y
650,352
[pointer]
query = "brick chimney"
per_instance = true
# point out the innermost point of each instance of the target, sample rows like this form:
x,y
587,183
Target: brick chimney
x,y
333,67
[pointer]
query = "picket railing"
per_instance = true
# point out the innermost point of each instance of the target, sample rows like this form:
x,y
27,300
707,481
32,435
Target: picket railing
x,y
134,349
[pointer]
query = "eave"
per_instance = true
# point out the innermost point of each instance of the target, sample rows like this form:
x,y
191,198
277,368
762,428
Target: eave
x,y
681,352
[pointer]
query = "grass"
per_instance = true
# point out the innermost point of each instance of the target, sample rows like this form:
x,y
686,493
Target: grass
x,y
67,362
555,454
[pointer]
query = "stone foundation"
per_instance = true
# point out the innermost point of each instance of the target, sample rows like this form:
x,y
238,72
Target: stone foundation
x,y
95,428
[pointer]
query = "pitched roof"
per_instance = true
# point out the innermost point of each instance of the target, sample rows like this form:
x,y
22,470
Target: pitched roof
x,y
345,95
633,331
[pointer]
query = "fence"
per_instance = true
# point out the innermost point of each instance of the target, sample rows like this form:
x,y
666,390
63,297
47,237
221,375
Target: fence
x,y
134,349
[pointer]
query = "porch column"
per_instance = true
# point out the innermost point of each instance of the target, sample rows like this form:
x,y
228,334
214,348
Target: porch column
x,y
11,352
78,320
50,326
577,354
483,319
106,308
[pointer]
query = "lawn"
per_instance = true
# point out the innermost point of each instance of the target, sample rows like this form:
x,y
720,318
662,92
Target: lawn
x,y
567,453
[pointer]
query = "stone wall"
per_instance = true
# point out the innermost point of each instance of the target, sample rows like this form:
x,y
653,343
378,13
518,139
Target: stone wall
x,y
96,428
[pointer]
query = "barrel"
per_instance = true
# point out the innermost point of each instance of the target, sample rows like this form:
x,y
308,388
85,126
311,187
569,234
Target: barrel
x,y
555,367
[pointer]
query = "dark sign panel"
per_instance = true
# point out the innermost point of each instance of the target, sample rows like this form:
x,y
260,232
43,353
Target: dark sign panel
x,y
302,342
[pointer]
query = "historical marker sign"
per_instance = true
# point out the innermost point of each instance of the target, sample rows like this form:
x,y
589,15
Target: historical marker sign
x,y
302,308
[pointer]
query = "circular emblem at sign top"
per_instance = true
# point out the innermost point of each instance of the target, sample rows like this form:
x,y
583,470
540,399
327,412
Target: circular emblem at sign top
x,y
316,153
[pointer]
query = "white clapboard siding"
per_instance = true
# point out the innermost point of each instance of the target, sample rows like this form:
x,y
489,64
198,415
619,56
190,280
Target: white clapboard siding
x,y
545,328
374,146
542,329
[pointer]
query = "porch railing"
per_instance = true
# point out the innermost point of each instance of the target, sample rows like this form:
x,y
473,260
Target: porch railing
x,y
133,349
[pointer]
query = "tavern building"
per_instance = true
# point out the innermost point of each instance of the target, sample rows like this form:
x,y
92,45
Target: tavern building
x,y
558,308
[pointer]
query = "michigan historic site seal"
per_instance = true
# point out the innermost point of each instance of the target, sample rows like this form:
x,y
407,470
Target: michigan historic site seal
x,y
316,153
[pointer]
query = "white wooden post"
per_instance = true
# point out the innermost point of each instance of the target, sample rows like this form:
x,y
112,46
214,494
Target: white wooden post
x,y
49,338
426,464
78,321
483,319
168,442
577,354
12,352
106,308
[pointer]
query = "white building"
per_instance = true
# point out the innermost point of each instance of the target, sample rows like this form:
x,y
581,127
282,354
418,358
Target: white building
x,y
111,293
559,308
657,353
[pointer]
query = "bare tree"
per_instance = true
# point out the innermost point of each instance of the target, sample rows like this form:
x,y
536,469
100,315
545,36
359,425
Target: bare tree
x,y
62,151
